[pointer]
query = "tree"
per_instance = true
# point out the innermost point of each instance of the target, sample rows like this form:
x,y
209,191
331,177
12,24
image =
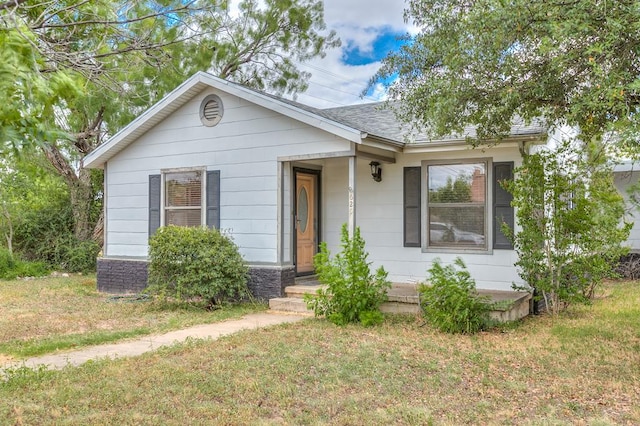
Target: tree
x,y
259,47
571,221
58,54
486,62
73,72
32,221
490,63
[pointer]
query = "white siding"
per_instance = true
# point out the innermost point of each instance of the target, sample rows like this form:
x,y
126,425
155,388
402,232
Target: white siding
x,y
244,147
379,215
623,182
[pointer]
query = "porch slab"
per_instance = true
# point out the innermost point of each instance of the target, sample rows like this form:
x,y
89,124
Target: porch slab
x,y
404,298
289,304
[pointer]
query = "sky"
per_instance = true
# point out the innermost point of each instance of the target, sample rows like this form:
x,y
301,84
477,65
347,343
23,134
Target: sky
x,y
369,29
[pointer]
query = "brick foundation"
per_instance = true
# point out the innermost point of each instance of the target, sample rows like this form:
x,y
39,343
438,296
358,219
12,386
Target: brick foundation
x,y
266,282
121,275
130,276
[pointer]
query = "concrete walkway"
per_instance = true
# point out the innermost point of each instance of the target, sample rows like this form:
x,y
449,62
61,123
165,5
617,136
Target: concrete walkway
x,y
149,343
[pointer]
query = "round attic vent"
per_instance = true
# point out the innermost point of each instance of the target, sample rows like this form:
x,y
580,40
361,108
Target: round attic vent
x,y
211,110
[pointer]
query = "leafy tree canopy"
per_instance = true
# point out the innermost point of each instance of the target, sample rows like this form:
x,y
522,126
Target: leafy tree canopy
x,y
74,71
485,62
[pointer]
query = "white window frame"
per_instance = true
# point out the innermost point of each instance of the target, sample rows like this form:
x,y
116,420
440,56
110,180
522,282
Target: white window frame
x,y
488,233
203,192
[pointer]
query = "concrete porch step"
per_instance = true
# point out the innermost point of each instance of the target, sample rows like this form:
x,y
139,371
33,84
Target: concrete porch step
x,y
296,304
289,304
403,298
399,292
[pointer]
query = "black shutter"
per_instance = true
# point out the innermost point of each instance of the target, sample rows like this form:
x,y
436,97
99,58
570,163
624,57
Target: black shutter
x,y
412,203
502,210
154,203
213,199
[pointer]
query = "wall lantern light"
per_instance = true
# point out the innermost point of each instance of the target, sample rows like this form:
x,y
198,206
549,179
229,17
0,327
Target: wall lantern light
x,y
376,171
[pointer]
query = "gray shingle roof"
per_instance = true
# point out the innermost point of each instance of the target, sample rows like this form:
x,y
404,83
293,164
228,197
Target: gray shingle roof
x,y
378,119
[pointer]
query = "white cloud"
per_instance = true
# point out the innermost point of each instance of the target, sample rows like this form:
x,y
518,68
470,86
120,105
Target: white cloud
x,y
365,13
358,23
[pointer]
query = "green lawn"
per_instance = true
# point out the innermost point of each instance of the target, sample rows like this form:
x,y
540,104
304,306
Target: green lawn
x,y
580,368
50,314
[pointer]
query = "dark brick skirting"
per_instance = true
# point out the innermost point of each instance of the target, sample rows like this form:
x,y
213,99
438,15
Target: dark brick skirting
x,y
269,281
121,275
130,276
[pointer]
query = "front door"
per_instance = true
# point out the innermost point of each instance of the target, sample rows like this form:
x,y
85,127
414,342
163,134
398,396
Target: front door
x,y
306,221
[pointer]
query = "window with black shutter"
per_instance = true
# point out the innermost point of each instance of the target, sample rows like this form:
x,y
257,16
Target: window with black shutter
x,y
184,200
412,202
502,210
155,183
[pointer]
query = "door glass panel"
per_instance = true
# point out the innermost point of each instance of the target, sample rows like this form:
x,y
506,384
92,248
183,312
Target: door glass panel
x,y
303,209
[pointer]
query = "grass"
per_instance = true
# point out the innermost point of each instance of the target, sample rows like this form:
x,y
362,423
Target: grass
x,y
582,367
50,314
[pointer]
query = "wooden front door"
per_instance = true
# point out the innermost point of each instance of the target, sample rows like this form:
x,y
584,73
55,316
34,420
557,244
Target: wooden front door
x,y
306,221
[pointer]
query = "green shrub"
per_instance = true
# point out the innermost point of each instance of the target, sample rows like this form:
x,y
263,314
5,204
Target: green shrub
x,y
196,263
352,294
30,269
12,267
7,262
42,229
450,302
73,255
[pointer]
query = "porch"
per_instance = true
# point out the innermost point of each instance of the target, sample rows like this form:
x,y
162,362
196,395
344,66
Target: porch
x,y
318,193
403,299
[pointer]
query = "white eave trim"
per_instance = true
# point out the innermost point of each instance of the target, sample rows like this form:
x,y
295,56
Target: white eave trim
x,y
627,166
462,144
197,83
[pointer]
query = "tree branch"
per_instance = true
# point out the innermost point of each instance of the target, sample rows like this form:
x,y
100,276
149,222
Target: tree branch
x,y
108,23
10,4
60,163
91,131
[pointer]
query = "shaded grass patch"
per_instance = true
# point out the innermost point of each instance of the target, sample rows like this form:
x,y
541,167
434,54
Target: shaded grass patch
x,y
34,347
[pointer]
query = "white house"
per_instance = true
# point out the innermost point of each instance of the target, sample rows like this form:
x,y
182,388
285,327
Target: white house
x,y
281,177
626,179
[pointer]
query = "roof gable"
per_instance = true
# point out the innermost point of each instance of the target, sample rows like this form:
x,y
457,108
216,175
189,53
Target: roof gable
x,y
190,88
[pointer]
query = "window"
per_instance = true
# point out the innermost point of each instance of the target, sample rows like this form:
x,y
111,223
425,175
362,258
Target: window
x,y
464,201
457,205
183,198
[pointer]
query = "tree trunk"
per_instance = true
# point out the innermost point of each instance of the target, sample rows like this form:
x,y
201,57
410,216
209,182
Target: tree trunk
x,y
81,201
79,191
9,232
98,230
79,181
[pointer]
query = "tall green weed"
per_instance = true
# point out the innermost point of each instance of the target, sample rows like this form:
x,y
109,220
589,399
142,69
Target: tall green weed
x,y
450,301
352,293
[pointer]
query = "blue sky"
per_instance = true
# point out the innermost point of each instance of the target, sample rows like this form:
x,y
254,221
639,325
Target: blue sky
x,y
387,39
369,29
